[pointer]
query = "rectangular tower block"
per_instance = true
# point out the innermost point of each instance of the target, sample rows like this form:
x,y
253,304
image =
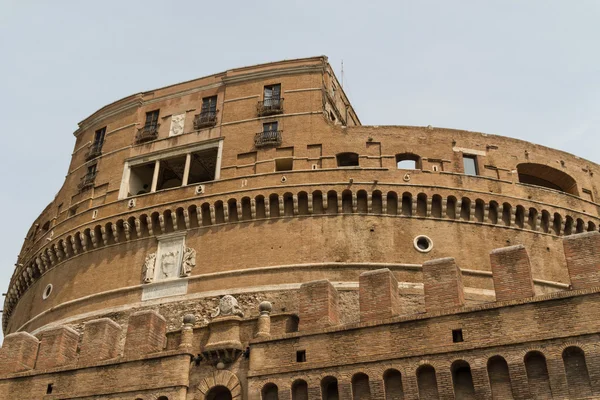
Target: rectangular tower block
x,y
18,353
318,305
442,283
512,273
582,252
58,347
100,340
145,333
378,295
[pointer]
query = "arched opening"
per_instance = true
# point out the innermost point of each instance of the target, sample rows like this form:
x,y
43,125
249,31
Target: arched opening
x,y
520,216
591,226
347,202
317,198
246,209
360,387
332,202
545,221
506,214
499,378
580,227
436,206
479,210
556,224
163,398
261,211
361,202
406,204
427,382
532,219
578,378
329,388
462,380
451,207
537,376
493,213
219,212
347,160
547,177
303,203
408,161
193,215
219,393
273,206
392,382
233,212
205,210
300,390
270,392
568,225
465,209
392,203
422,205
288,205
377,202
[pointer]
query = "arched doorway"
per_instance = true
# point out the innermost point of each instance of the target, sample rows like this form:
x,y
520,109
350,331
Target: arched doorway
x,y
218,393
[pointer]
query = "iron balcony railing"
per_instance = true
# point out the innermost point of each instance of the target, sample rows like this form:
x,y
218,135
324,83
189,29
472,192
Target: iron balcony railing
x,y
94,151
147,133
267,138
87,181
205,119
270,106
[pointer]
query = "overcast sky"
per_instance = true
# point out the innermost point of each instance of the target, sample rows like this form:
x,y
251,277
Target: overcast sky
x,y
525,69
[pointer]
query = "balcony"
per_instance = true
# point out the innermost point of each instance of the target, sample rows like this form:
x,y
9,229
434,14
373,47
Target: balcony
x,y
87,181
269,107
205,119
267,138
147,133
94,151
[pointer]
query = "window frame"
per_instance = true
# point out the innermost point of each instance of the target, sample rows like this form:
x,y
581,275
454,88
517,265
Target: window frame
x,y
472,157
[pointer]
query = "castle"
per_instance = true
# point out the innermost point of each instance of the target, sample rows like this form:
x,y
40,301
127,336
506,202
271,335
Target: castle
x,y
244,236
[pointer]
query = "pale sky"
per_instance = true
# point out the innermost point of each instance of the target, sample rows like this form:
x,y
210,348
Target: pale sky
x,y
520,68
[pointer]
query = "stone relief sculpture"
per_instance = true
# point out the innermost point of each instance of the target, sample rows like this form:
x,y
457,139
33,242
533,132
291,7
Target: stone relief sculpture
x,y
177,122
168,264
189,261
228,305
148,270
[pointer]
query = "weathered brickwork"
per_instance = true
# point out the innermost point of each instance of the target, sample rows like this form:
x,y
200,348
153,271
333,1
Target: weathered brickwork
x,y
243,236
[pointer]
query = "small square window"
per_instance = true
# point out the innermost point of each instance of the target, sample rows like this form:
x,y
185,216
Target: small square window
x,y
301,356
457,336
49,388
470,164
284,164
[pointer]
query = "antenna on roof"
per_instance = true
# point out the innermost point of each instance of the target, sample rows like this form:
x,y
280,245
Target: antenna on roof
x,y
342,74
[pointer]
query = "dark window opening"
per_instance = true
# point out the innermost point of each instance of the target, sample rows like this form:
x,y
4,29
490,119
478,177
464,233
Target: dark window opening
x,y
203,166
284,164
140,179
457,336
470,165
347,160
170,173
208,113
72,211
272,94
423,243
301,356
209,104
408,161
99,137
270,127
548,177
49,388
151,120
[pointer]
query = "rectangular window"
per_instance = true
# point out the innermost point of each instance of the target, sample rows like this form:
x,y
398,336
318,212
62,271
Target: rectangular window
x,y
457,335
99,137
151,119
301,356
470,164
272,92
270,127
209,104
284,164
91,171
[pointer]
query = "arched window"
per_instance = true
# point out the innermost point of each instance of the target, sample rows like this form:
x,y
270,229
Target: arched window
x,y
462,380
270,392
427,382
548,177
499,378
360,387
329,388
218,393
537,375
347,160
408,161
300,390
392,381
578,378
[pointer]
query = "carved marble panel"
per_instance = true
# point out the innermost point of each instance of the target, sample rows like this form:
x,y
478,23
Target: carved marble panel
x,y
177,122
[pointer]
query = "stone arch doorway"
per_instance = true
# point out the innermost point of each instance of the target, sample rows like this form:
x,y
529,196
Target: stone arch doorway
x,y
219,393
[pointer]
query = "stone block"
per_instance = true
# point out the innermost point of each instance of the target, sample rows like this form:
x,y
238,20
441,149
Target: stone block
x,y
58,347
512,273
378,295
18,353
582,253
100,340
318,305
442,283
146,332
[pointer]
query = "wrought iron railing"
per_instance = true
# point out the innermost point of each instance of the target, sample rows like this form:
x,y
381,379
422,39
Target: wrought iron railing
x,y
147,133
205,119
270,106
267,138
94,151
87,181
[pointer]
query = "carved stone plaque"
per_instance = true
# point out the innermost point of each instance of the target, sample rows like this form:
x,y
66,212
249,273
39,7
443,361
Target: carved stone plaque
x,y
164,289
177,122
169,257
